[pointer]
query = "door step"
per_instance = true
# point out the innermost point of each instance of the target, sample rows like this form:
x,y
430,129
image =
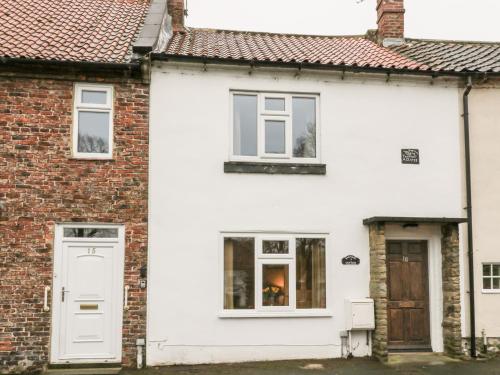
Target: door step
x,y
419,358
83,371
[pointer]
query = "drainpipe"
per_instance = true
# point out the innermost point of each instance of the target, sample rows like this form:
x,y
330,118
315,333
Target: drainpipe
x,y
470,239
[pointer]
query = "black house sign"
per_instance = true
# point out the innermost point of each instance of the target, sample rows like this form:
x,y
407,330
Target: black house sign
x,y
350,260
410,156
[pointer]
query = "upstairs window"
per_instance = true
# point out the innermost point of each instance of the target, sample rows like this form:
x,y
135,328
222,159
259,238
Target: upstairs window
x,y
93,121
275,127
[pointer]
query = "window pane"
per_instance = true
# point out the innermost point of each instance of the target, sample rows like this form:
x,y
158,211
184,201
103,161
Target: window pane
x,y
275,104
94,97
304,127
93,132
496,283
311,273
275,291
245,125
496,269
91,232
486,269
275,137
239,273
275,247
487,283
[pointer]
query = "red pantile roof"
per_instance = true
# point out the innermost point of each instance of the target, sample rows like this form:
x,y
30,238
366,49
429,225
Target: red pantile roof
x,y
286,48
454,56
70,30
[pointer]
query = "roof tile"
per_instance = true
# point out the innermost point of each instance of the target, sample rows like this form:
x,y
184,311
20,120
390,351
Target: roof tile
x,y
453,56
71,30
287,48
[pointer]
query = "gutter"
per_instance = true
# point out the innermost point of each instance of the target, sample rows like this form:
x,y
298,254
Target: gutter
x,y
470,239
66,63
306,65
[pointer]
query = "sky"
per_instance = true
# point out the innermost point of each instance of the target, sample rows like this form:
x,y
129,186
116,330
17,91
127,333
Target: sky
x,y
429,19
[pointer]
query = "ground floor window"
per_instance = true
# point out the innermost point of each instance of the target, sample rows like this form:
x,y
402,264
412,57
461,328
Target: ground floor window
x,y
491,277
274,272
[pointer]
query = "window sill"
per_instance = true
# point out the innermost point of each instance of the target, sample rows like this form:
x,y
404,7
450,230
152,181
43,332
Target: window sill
x,y
276,314
491,291
273,168
92,158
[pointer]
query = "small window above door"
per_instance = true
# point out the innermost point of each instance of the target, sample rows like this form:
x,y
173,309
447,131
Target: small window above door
x,y
89,232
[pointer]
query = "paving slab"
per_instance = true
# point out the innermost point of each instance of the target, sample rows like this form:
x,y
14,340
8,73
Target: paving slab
x,y
356,366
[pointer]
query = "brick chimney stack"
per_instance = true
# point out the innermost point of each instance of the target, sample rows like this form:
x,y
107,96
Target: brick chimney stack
x,y
390,21
177,11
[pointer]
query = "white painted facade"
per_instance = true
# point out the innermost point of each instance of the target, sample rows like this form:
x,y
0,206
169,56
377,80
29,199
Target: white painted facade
x,y
364,122
484,106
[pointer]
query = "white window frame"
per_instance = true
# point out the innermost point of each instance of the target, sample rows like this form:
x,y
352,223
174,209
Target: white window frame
x,y
88,107
268,237
288,137
261,259
262,116
491,277
288,107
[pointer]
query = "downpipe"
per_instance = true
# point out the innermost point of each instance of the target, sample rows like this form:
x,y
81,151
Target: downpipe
x,y
470,239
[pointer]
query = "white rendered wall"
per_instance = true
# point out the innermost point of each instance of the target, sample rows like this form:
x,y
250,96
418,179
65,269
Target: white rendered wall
x,y
485,172
364,126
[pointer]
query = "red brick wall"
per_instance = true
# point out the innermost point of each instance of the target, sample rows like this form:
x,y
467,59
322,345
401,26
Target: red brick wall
x,y
40,184
390,19
176,11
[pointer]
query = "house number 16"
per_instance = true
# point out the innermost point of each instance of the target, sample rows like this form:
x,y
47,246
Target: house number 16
x,y
91,251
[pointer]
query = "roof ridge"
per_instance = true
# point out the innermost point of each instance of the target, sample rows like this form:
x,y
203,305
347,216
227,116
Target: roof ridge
x,y
208,29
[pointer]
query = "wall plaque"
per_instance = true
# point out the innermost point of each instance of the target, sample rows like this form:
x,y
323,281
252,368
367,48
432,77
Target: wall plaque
x,y
350,260
410,156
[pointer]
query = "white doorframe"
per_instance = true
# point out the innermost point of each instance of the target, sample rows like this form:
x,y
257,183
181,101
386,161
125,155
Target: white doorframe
x,y
118,270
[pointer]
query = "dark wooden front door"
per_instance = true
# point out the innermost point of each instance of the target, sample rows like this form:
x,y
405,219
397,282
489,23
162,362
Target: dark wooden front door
x,y
408,295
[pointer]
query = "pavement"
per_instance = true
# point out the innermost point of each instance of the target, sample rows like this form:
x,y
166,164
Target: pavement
x,y
418,365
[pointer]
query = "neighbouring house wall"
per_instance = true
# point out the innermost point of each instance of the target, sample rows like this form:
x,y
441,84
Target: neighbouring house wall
x,y
364,124
485,168
40,185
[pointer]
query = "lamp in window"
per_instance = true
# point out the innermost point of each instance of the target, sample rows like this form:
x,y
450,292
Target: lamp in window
x,y
275,285
272,296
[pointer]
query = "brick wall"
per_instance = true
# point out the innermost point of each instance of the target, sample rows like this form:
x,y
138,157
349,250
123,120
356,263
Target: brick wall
x,y
390,19
40,185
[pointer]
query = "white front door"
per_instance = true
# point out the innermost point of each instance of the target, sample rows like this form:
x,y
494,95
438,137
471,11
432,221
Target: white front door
x,y
87,294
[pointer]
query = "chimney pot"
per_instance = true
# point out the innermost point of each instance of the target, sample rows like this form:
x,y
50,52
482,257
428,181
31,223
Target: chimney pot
x,y
390,21
177,12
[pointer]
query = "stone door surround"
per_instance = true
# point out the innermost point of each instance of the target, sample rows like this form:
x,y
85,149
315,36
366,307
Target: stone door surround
x,y
450,280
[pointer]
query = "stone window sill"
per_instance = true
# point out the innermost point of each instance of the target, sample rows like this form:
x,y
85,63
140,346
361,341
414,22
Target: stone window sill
x,y
274,168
